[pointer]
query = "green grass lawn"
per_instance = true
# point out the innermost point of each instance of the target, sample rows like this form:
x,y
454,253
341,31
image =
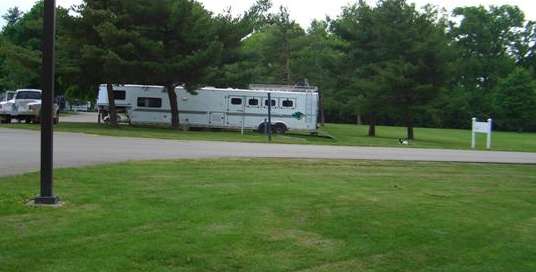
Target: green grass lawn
x,y
350,135
432,138
274,215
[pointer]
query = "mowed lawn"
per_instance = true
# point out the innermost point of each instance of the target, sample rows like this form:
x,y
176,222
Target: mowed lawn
x,y
274,215
331,134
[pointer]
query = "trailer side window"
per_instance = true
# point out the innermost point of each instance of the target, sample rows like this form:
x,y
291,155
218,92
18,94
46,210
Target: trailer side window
x,y
120,95
288,103
253,102
236,101
273,102
149,102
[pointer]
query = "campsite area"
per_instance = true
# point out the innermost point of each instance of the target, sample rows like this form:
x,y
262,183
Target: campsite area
x,y
268,135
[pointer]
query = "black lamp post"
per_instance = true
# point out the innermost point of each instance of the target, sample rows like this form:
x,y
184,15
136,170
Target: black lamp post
x,y
47,107
270,117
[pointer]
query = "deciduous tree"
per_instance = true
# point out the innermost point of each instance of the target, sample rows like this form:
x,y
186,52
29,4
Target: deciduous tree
x,y
397,58
514,100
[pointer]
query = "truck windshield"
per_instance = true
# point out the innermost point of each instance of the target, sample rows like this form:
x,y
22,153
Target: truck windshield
x,y
28,95
10,96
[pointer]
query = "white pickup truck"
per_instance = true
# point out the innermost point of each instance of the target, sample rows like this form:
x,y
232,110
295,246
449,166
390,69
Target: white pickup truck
x,y
6,96
5,109
24,106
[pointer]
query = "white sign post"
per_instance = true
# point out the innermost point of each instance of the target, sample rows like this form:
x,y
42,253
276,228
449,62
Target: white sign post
x,y
482,127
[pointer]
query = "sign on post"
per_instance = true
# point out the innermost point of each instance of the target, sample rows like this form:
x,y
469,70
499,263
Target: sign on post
x,y
482,127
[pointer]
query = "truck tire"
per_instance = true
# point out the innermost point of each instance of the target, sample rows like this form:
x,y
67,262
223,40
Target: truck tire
x,y
279,128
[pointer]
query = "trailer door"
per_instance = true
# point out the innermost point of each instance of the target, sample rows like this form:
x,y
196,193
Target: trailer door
x,y
217,119
236,110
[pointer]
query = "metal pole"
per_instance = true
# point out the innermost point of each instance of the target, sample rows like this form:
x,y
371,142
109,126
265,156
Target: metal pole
x,y
490,125
243,114
47,111
269,117
473,139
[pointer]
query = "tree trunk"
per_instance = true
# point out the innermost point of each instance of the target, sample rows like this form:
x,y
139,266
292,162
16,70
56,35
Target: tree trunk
x,y
409,124
358,120
172,95
112,111
288,71
372,126
287,61
411,134
322,111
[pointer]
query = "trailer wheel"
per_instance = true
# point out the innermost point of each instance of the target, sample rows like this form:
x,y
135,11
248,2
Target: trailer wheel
x,y
279,128
261,129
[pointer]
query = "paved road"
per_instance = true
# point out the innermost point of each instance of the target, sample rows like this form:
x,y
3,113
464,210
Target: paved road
x,y
19,151
80,117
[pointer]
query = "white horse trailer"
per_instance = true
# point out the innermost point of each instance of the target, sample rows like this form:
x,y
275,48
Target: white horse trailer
x,y
293,107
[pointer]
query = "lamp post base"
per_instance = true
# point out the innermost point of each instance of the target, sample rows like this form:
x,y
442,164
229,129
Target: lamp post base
x,y
47,200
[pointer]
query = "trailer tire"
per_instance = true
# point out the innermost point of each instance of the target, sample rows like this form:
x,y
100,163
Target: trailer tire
x,y
279,128
261,129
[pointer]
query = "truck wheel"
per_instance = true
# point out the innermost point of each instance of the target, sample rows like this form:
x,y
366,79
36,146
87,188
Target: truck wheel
x,y
279,128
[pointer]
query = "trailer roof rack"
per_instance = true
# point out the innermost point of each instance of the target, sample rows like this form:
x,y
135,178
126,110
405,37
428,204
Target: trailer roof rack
x,y
283,88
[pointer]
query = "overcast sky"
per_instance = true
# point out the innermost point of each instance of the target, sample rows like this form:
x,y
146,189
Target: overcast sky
x,y
304,11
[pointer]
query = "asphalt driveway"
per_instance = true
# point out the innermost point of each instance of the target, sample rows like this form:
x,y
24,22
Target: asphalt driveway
x,y
19,151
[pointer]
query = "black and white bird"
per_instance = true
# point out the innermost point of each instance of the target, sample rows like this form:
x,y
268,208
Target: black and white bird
x,y
403,141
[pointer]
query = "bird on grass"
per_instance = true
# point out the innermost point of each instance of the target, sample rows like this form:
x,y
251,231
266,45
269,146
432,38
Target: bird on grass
x,y
403,141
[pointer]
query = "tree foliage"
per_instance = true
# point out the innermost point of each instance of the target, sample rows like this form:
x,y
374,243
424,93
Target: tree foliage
x,y
20,47
389,63
397,57
514,100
